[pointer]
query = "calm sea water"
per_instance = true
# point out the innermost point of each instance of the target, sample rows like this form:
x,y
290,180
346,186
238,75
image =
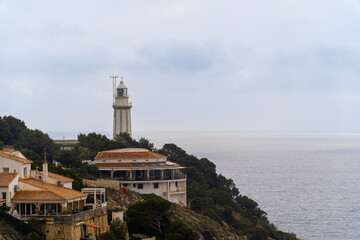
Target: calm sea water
x,y
308,184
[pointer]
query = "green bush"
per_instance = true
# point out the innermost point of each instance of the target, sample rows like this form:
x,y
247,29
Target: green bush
x,y
33,236
4,208
119,229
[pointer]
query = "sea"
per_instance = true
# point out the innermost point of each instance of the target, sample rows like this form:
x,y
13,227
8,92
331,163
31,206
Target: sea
x,y
307,183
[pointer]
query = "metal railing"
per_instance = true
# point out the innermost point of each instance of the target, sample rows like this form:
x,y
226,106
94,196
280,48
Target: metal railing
x,y
179,175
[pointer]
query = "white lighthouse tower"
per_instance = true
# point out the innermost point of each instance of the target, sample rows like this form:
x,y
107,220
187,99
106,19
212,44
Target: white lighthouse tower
x,y
122,106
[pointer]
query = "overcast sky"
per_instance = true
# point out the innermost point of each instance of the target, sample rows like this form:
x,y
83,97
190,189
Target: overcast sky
x,y
190,65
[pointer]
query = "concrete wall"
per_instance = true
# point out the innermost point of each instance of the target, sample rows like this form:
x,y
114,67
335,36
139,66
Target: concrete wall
x,y
73,231
9,190
15,166
119,215
105,183
50,179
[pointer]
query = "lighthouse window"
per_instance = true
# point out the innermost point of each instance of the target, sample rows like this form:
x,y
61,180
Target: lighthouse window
x,y
121,92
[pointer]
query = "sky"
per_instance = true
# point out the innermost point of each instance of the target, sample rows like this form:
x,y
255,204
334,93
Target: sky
x,y
189,65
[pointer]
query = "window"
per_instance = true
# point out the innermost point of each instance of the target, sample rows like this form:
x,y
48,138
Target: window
x,y
140,186
124,184
156,185
5,170
25,172
134,184
176,184
3,195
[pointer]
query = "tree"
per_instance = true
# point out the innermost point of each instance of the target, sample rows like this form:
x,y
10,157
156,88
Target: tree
x,y
68,158
178,230
119,229
37,141
172,151
16,126
149,217
145,143
33,156
92,143
124,138
33,236
5,134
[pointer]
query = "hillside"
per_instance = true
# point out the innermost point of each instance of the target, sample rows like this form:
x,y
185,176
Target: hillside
x,y
202,225
9,233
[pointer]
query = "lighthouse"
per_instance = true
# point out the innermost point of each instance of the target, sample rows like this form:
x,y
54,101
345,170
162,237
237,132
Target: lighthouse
x,y
122,106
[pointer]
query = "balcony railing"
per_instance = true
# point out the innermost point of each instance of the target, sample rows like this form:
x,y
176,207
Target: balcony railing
x,y
78,217
179,175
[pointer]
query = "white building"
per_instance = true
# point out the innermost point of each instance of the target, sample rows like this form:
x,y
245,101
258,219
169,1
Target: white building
x,y
145,172
33,192
122,106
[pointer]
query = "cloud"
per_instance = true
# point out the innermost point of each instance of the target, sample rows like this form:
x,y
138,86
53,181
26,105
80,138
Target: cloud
x,y
181,56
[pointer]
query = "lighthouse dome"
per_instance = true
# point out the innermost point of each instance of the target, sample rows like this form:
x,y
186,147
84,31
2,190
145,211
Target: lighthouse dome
x,y
121,85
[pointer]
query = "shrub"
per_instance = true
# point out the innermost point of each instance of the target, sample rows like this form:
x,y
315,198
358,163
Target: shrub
x,y
35,221
4,208
33,236
119,229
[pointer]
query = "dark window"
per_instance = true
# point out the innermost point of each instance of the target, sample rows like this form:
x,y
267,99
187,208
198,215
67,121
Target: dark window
x,y
140,186
134,185
124,184
176,184
3,195
156,185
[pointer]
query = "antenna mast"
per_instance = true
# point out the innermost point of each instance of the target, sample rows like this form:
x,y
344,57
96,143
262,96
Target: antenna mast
x,y
114,86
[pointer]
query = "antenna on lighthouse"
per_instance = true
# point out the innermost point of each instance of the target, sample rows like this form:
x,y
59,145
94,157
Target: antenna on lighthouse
x,y
114,86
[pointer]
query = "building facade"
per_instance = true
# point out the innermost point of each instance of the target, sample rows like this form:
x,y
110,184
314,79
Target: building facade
x,y
144,171
64,212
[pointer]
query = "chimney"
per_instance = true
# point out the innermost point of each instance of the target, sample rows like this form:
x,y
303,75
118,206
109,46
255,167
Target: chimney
x,y
45,168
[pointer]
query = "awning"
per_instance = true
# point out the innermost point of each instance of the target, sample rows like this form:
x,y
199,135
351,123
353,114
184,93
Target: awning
x,y
91,225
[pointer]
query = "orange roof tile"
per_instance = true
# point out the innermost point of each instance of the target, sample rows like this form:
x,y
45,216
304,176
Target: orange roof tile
x,y
61,192
91,225
131,165
128,155
6,178
2,200
36,195
6,155
57,176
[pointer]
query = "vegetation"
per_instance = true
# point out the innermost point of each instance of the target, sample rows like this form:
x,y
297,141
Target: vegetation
x,y
4,208
33,236
154,218
118,230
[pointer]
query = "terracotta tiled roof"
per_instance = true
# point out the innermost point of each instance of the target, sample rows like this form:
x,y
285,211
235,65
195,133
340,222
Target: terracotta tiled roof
x,y
6,155
2,200
62,192
36,195
91,225
6,178
128,155
57,176
136,165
